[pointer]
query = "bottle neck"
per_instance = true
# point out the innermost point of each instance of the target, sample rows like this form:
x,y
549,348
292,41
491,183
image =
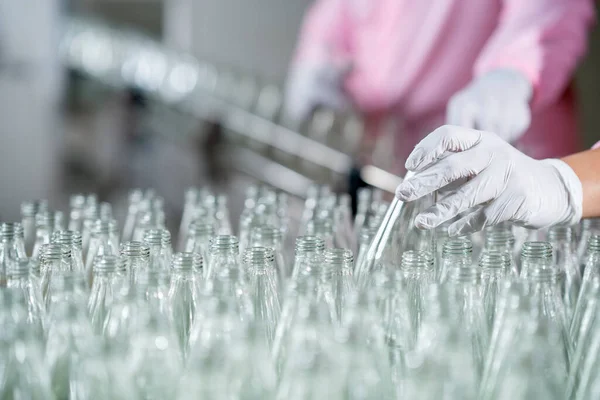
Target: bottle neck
x,y
186,262
336,262
537,260
259,258
417,261
493,262
458,251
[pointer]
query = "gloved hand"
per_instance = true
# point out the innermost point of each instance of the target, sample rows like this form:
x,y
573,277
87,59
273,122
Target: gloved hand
x,y
496,102
506,184
311,86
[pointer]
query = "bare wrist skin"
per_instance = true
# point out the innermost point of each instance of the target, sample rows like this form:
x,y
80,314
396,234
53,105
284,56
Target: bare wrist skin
x,y
586,166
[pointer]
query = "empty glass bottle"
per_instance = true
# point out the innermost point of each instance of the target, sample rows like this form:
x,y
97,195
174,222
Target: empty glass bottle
x,y
543,280
309,252
159,242
272,237
259,263
500,238
363,204
19,278
198,238
76,206
590,227
104,241
456,254
418,272
223,255
29,210
133,258
561,239
12,247
70,339
495,271
72,239
335,281
109,282
184,293
55,260
322,228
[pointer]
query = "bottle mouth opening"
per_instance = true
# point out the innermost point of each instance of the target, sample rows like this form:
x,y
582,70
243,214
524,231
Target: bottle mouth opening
x,y
31,208
71,238
199,228
338,256
11,230
259,256
557,233
457,247
536,250
157,237
104,226
309,244
225,243
187,261
106,263
55,252
134,249
268,233
594,243
417,259
494,260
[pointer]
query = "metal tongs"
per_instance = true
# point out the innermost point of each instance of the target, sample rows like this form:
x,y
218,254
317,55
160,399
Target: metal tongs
x,y
375,252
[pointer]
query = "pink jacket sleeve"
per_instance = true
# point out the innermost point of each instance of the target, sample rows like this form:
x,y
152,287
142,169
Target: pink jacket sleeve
x,y
324,36
544,39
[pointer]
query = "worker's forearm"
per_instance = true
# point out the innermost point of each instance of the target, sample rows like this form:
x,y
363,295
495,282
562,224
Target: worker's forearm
x,y
587,167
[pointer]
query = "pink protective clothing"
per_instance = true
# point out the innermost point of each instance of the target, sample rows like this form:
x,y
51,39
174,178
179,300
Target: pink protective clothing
x,y
409,57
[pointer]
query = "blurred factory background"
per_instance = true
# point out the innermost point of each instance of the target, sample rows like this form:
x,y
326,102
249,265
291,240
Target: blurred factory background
x,y
171,94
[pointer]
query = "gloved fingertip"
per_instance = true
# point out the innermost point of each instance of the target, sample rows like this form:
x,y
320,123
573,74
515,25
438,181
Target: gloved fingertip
x,y
414,159
404,191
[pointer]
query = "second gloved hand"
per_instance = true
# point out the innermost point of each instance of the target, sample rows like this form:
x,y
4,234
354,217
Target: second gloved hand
x,y
496,183
310,86
496,102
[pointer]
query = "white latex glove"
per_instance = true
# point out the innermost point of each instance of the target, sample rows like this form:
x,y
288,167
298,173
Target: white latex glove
x,y
506,184
496,102
311,86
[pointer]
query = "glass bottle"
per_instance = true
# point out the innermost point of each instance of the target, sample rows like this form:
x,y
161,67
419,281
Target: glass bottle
x,y
336,281
495,270
90,216
13,247
309,253
367,368
55,259
500,238
136,196
590,226
322,228
29,210
183,295
543,280
159,242
561,239
313,368
259,263
222,215
344,235
366,236
456,254
363,204
19,278
70,339
109,282
24,373
103,242
76,206
72,239
223,255
272,237
584,327
134,257
66,286
191,199
467,306
418,272
588,284
198,238
43,232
